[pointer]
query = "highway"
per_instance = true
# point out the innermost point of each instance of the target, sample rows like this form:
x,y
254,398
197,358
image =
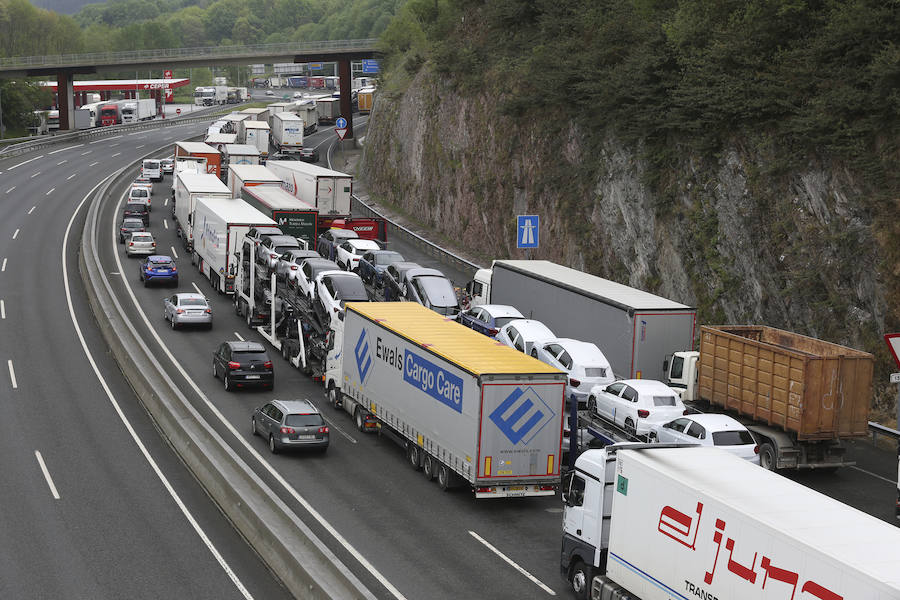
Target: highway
x,y
397,532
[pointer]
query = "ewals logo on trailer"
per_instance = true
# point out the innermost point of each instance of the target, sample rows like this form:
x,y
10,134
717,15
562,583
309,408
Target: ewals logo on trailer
x,y
522,415
440,384
363,356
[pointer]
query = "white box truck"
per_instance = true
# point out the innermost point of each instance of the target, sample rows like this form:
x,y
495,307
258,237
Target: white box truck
x,y
190,185
287,132
306,110
250,175
240,154
466,408
255,133
256,114
648,522
636,330
139,110
327,190
220,225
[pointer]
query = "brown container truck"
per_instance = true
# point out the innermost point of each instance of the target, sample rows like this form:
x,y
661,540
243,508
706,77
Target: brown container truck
x,y
800,396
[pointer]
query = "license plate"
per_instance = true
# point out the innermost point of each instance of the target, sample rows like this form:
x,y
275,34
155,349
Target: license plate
x,y
162,271
306,436
252,376
516,488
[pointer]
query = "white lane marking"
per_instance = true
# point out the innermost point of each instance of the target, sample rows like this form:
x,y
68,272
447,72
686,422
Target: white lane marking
x,y
115,155
71,176
165,224
135,133
2,309
238,336
93,163
62,162
31,210
184,510
50,191
175,254
356,554
49,479
12,374
141,146
531,577
3,266
339,430
195,286
25,162
35,174
86,153
166,202
66,148
15,234
10,189
873,475
114,145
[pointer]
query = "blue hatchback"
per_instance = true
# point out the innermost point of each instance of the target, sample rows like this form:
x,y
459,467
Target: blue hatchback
x,y
159,269
374,262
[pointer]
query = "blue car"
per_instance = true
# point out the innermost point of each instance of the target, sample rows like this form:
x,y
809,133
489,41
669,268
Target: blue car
x,y
374,263
489,318
159,269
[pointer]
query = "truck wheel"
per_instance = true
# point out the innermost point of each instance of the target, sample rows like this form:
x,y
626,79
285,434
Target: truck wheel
x,y
444,477
412,455
428,467
333,395
360,420
767,456
580,579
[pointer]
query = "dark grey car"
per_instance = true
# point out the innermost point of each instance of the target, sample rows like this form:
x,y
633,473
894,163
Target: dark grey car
x,y
392,280
243,364
130,225
290,424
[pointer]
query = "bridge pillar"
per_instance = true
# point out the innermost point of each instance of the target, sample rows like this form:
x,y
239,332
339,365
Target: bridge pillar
x,y
66,100
346,103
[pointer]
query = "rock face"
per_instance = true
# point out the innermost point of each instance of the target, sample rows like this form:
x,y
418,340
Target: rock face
x,y
739,239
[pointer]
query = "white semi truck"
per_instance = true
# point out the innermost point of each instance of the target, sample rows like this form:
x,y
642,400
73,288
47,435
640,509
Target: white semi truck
x,y
139,110
327,190
467,409
650,522
287,132
189,186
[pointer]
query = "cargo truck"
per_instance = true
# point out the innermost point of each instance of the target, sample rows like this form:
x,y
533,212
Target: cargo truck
x,y
329,110
364,99
139,110
231,122
240,154
209,156
110,114
306,110
277,107
220,225
249,176
256,133
467,409
256,114
287,132
293,216
327,190
189,186
800,396
635,330
648,522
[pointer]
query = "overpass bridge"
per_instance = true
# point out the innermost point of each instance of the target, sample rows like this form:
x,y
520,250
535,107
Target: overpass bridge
x,y
66,66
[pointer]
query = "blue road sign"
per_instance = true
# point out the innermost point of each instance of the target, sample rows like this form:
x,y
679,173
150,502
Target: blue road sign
x,y
315,66
370,65
341,123
528,231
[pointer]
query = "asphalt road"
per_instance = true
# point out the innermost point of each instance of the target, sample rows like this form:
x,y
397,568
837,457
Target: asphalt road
x,y
84,514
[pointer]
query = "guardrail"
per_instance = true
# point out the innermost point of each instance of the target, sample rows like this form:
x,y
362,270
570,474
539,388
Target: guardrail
x,y
877,429
290,549
98,58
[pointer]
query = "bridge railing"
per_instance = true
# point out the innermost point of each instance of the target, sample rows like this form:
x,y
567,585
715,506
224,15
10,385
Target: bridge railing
x,y
61,60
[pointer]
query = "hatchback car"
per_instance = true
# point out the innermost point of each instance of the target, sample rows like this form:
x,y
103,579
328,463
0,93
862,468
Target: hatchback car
x,y
720,431
243,364
350,251
140,243
137,210
639,406
288,424
432,290
139,195
522,334
392,280
489,318
309,269
167,165
270,93
309,155
129,226
288,266
271,249
159,269
187,309
327,242
333,289
372,264
585,364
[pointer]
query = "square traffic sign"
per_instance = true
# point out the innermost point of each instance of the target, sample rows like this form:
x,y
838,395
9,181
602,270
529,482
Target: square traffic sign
x,y
528,231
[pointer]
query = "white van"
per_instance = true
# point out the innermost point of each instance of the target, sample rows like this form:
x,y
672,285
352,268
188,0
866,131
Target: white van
x,y
152,169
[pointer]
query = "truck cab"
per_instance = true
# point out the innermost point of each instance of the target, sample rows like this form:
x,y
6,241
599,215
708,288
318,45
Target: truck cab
x,y
478,291
680,374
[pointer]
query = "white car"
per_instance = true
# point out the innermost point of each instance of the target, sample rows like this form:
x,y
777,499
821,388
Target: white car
x,y
720,431
639,406
272,248
140,242
583,361
522,334
139,194
350,251
288,267
151,169
306,276
187,309
333,288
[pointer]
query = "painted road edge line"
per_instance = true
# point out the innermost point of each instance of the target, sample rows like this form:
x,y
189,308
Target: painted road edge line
x,y
531,577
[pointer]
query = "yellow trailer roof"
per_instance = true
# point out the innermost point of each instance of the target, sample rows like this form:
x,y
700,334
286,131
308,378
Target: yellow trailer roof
x,y
464,347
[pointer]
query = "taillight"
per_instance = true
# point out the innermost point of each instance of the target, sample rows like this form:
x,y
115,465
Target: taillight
x,y
180,311
267,364
686,412
174,268
287,430
293,267
547,488
153,244
574,382
484,490
273,255
209,311
643,414
131,243
233,365
755,449
323,430
493,332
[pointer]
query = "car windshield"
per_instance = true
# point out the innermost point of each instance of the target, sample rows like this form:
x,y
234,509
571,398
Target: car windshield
x,y
595,371
151,164
664,401
139,192
387,258
192,302
438,290
735,437
141,237
132,223
304,420
282,249
350,289
501,321
248,355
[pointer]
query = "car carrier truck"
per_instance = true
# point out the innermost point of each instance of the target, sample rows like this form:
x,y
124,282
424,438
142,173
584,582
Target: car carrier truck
x,y
650,522
467,409
799,396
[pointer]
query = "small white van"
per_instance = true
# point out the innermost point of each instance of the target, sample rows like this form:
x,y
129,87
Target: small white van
x,y
152,169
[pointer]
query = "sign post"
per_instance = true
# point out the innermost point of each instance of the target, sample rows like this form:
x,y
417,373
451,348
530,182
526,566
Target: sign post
x,y
341,130
893,342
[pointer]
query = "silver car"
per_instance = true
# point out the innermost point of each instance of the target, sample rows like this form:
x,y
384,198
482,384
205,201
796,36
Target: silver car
x,y
290,424
140,242
187,309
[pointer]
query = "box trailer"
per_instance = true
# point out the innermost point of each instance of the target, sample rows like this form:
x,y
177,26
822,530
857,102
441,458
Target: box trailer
x,y
329,110
287,132
306,110
189,186
277,107
364,98
256,133
464,406
200,150
647,522
635,330
799,395
327,190
231,122
219,140
256,114
293,216
220,225
249,176
139,110
240,154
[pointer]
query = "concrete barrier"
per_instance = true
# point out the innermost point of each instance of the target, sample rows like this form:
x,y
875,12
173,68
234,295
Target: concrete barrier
x,y
290,549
